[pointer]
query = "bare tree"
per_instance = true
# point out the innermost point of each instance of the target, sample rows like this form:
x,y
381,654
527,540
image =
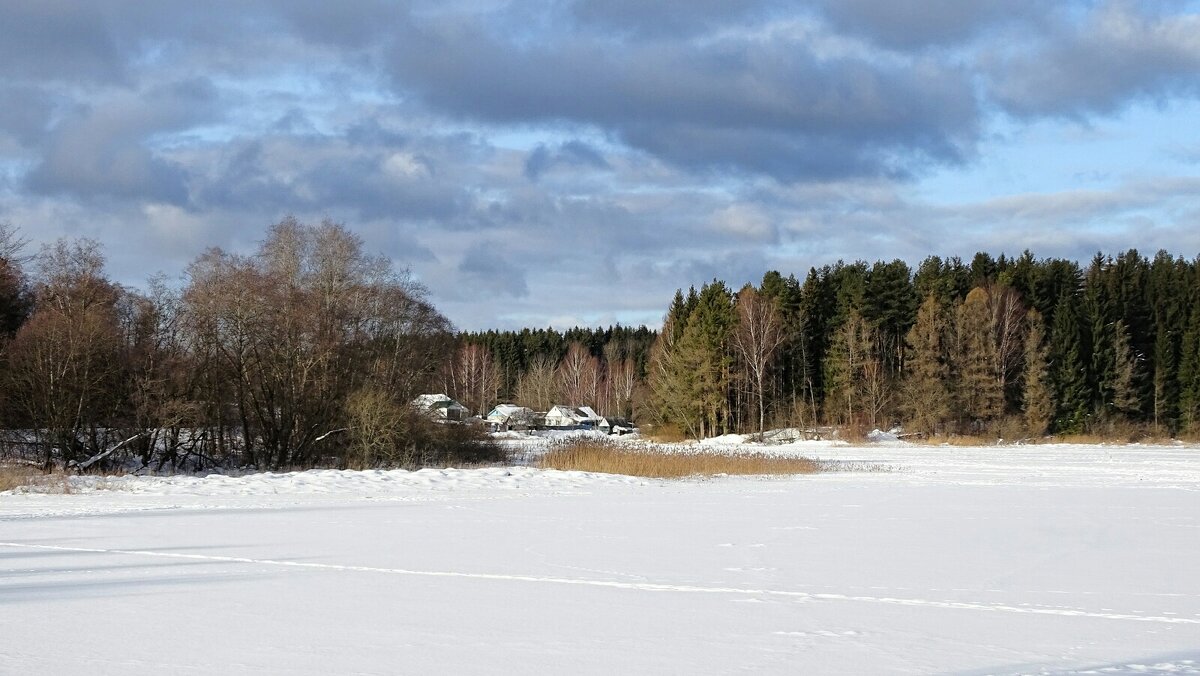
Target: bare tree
x,y
622,383
64,363
473,378
536,387
298,327
1008,331
757,338
577,374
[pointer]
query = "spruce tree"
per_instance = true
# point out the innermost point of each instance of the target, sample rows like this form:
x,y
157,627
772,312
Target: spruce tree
x,y
1098,317
1068,375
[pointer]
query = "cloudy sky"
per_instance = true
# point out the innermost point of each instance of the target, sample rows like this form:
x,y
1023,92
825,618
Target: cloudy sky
x,y
575,161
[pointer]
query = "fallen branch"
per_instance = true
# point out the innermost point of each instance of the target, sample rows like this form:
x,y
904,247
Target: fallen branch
x,y
81,466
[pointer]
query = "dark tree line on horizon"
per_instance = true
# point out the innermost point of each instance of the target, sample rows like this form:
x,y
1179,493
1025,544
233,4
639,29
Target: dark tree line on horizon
x,y
997,346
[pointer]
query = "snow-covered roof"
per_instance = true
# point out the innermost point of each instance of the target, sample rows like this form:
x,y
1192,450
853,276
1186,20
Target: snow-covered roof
x,y
578,414
565,412
504,411
429,402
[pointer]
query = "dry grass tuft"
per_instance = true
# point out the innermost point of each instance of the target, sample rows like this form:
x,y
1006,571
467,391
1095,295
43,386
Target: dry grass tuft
x,y
589,455
854,434
24,476
664,434
17,476
1188,436
967,440
1091,439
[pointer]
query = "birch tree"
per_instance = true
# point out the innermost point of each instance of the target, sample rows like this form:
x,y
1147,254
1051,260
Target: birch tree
x,y
756,339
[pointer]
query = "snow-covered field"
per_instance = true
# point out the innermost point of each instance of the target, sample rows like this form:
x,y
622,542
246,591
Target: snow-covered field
x,y
1034,559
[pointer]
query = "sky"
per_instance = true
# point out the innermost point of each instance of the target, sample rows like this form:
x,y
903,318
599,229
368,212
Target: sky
x,y
573,162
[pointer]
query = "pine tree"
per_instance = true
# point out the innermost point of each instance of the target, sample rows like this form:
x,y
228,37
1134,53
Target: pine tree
x,y
1189,376
817,299
849,353
1038,404
705,346
1125,400
890,305
926,389
980,393
672,397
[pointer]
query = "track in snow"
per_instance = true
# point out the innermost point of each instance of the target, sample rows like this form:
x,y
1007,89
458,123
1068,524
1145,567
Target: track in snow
x,y
636,586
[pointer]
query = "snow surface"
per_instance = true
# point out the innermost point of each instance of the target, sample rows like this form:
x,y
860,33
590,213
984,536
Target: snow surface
x,y
1024,559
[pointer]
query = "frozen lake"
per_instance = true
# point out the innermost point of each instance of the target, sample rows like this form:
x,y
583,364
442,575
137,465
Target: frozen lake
x,y
1035,559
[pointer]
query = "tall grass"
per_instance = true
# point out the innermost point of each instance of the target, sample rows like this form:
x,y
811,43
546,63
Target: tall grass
x,y
591,455
22,476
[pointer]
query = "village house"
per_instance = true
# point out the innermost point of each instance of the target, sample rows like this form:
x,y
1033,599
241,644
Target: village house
x,y
510,418
573,418
441,408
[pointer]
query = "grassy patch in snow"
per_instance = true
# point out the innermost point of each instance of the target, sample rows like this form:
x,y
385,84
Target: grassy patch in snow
x,y
606,457
31,479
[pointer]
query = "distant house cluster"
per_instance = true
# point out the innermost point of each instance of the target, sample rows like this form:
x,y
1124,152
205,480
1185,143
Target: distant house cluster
x,y
513,418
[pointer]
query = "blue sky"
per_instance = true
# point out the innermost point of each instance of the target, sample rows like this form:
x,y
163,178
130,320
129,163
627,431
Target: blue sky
x,y
575,161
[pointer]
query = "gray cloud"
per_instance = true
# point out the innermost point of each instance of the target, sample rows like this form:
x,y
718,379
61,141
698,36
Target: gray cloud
x,y
763,105
490,274
668,17
24,118
101,150
1098,65
569,154
914,24
605,151
57,41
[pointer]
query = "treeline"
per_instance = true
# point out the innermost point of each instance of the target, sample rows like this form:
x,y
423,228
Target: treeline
x,y
1000,346
305,353
602,368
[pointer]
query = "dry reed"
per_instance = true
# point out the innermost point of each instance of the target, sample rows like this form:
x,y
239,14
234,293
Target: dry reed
x,y
647,461
23,476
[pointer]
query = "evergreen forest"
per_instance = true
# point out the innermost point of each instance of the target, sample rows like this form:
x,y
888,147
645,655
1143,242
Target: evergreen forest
x,y
1006,347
